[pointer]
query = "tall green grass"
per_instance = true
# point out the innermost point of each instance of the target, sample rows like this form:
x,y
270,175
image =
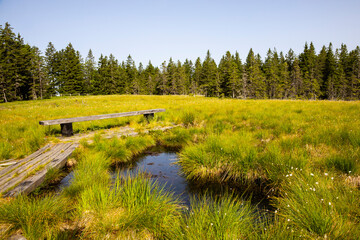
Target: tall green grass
x,y
36,218
121,150
218,218
276,144
320,204
221,158
134,208
92,169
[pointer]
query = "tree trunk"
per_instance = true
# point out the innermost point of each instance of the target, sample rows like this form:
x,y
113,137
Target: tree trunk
x,y
5,99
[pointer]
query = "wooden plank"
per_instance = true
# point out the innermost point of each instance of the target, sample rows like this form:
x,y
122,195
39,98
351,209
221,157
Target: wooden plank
x,y
99,117
28,158
32,182
11,181
22,167
7,164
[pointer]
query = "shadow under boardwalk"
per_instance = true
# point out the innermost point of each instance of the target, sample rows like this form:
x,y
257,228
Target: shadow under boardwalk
x,y
28,173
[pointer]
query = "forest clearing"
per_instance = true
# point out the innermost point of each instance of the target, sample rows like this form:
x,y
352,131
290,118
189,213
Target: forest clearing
x,y
299,159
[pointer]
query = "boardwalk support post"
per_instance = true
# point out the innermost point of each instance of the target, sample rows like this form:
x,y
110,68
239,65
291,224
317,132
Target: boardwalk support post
x,y
67,129
149,116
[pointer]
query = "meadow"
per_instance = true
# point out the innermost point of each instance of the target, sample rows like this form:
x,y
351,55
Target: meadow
x,y
303,156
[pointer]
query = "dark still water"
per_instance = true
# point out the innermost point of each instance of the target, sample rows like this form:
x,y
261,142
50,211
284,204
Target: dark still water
x,y
159,165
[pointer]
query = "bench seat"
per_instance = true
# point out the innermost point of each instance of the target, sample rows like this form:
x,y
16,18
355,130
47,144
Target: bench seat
x,y
66,123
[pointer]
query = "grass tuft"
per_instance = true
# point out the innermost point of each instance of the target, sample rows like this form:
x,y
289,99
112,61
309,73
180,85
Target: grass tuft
x,y
36,218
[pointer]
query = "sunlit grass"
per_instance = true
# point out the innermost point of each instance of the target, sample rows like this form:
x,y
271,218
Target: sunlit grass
x,y
36,218
272,143
134,207
223,217
320,204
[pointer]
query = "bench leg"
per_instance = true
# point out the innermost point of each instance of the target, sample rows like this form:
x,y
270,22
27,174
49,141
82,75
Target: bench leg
x,y
66,129
149,116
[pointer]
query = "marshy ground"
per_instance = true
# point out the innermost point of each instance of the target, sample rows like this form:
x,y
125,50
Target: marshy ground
x,y
302,156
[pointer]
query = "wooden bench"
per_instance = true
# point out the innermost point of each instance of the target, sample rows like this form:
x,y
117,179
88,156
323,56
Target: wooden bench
x,y
66,123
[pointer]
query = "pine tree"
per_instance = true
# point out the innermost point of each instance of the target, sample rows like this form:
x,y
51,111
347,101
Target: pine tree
x,y
163,81
189,72
114,77
284,77
237,75
308,66
131,74
271,68
330,74
340,77
171,78
180,77
354,80
7,63
150,76
89,72
208,81
345,69
321,71
40,85
194,86
50,67
256,86
71,73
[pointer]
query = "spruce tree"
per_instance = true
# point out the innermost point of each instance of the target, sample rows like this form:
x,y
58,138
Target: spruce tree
x,y
271,68
208,77
71,74
284,77
256,86
89,72
321,71
354,80
7,63
194,86
163,81
330,75
50,67
171,78
40,85
189,72
180,77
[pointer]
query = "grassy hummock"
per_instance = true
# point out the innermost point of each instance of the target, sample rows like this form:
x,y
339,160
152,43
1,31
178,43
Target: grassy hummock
x,y
303,155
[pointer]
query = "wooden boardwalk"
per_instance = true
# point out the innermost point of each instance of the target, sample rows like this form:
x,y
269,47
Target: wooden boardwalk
x,y
28,173
25,175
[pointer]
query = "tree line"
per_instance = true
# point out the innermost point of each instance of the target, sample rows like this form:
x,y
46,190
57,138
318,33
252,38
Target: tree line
x,y
26,73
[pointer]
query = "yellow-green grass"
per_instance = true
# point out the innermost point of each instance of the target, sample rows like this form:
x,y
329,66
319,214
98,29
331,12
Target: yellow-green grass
x,y
275,143
37,218
309,122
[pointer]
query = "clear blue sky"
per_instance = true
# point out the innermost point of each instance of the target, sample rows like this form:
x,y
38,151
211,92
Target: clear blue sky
x,y
158,29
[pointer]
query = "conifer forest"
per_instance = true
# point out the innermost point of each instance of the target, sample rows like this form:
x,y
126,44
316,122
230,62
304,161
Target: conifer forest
x,y
27,74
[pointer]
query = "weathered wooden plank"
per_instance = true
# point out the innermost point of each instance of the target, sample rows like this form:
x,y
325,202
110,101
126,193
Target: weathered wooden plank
x,y
13,181
28,158
7,164
32,182
60,161
23,166
99,117
24,171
